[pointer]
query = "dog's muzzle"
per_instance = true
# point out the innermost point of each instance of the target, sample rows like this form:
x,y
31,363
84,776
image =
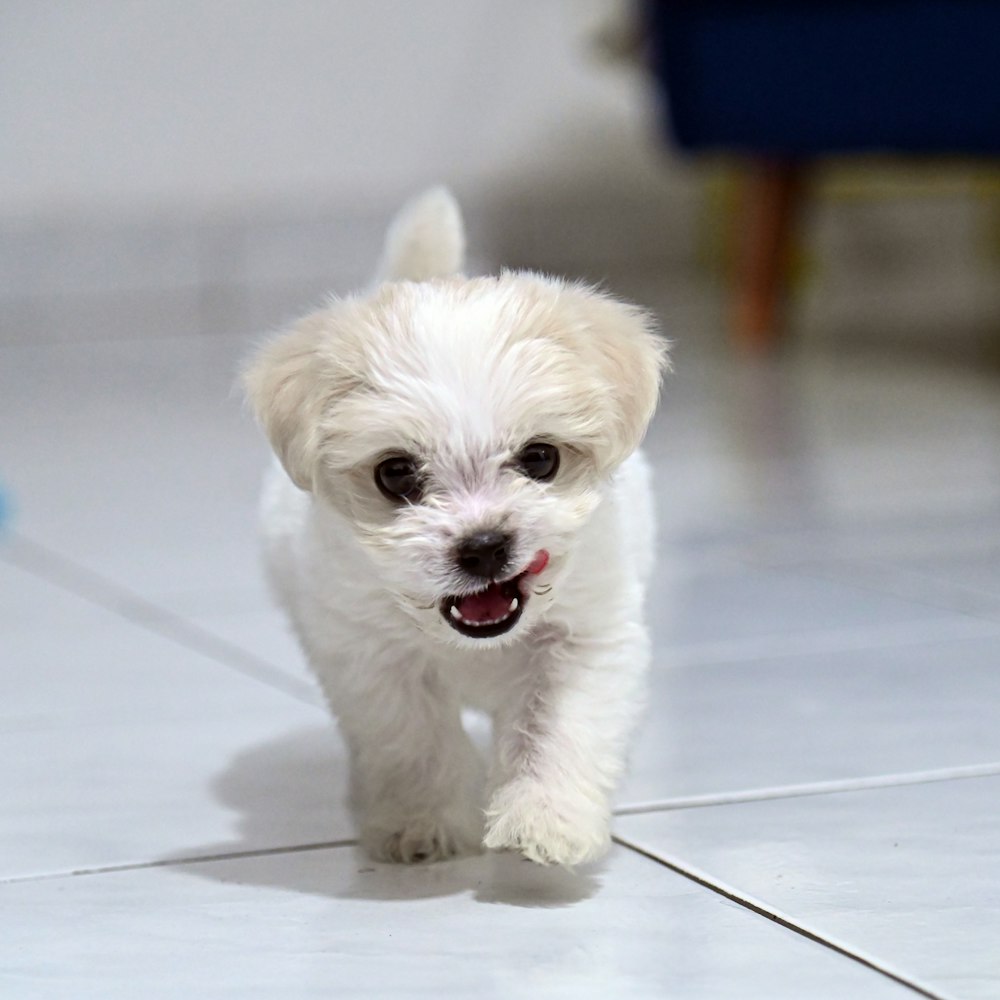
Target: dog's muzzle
x,y
496,609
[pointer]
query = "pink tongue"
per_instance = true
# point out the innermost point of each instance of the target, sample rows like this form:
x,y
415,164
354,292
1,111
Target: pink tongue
x,y
486,606
539,563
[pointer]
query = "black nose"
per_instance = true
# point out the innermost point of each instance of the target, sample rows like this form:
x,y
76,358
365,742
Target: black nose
x,y
484,554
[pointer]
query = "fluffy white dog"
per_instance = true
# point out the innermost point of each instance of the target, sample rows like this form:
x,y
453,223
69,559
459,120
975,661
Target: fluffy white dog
x,y
462,519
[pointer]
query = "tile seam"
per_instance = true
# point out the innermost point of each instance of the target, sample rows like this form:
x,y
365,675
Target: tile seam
x,y
94,588
195,859
782,919
806,789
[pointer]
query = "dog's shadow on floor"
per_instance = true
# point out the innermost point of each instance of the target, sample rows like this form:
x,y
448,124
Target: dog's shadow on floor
x,y
295,834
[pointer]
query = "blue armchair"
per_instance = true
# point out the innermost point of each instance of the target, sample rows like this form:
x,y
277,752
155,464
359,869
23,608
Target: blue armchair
x,y
782,82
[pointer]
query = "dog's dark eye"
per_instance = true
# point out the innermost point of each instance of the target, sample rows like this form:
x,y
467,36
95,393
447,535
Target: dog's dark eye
x,y
540,461
398,478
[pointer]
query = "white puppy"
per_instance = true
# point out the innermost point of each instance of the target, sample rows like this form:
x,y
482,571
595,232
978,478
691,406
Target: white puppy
x,y
462,519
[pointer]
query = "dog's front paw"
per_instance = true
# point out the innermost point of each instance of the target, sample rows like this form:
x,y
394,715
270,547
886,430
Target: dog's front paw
x,y
419,839
547,826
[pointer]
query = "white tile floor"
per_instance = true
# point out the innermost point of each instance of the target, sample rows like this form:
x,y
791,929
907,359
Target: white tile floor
x,y
814,804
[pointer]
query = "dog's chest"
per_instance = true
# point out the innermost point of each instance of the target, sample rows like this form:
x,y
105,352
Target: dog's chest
x,y
484,680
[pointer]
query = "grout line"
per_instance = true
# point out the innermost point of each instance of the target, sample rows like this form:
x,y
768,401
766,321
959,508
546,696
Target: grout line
x,y
690,802
776,916
84,583
813,788
196,859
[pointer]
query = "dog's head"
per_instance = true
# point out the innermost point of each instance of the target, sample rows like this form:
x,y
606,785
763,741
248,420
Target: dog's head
x,y
462,427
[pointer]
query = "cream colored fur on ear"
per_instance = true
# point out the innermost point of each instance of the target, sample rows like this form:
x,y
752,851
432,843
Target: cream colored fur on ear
x,y
618,339
426,240
284,391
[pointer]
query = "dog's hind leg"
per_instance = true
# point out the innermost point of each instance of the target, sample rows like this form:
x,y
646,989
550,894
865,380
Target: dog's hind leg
x,y
416,778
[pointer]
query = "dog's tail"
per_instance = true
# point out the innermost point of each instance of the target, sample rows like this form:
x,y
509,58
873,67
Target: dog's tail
x,y
425,240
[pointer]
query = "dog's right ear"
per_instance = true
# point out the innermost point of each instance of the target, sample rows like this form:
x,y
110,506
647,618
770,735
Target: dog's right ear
x,y
286,389
425,240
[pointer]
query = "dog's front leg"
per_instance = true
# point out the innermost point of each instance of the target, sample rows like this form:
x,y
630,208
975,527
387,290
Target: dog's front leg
x,y
416,778
561,744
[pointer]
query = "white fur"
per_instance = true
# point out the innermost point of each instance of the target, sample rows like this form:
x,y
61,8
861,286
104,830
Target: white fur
x,y
426,240
462,373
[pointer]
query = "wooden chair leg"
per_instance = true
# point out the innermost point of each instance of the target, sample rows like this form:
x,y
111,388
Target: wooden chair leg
x,y
765,228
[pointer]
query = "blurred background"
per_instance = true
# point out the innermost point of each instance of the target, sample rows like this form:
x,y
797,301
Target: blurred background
x,y
214,167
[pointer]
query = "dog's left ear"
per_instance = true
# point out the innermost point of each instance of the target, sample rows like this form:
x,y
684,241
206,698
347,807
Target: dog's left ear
x,y
619,339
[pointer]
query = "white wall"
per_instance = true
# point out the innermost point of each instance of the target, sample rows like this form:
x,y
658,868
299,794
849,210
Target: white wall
x,y
145,107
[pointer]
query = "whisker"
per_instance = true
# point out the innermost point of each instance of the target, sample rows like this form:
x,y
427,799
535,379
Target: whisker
x,y
542,591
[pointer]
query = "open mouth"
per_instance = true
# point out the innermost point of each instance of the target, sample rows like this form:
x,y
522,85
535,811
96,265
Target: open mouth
x,y
487,613
496,608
